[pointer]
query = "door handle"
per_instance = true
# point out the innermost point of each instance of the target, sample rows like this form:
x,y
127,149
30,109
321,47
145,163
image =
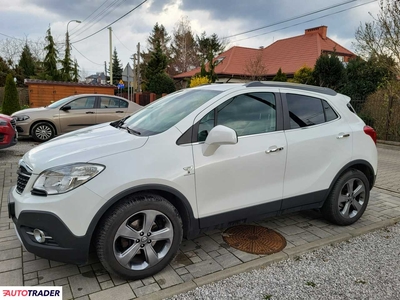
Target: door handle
x,y
89,112
275,149
119,112
343,135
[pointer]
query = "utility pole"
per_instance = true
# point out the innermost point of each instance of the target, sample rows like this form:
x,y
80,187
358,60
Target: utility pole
x,y
111,63
105,69
138,68
134,72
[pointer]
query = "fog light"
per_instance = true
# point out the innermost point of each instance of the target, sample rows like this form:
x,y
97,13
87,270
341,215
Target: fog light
x,y
39,236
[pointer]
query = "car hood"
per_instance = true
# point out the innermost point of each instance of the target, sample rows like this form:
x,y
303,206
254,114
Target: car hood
x,y
31,110
82,146
5,117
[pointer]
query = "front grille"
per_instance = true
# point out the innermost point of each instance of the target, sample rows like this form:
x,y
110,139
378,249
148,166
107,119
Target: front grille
x,y
1,137
23,177
13,123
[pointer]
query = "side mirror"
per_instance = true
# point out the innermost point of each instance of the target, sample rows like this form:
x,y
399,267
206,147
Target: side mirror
x,y
66,107
219,135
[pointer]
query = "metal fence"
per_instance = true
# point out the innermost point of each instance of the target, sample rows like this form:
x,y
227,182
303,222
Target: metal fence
x,y
382,113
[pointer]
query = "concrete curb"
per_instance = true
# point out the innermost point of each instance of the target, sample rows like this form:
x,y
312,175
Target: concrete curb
x,y
266,260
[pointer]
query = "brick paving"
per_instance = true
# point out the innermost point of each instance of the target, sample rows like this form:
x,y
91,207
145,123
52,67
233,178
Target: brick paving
x,y
199,257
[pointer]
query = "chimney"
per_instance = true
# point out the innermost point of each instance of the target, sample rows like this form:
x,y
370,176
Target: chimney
x,y
321,30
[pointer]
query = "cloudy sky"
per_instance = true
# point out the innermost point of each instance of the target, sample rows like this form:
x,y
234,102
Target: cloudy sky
x,y
30,19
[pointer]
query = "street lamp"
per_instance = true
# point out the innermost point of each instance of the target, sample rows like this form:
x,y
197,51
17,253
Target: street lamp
x,y
76,21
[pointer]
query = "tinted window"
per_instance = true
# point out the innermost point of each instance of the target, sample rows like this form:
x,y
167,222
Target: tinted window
x,y
329,112
304,111
82,103
169,110
246,114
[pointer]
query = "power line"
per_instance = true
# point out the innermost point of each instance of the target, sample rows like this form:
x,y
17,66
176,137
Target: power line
x,y
11,37
292,19
111,22
96,19
89,15
122,42
300,23
86,57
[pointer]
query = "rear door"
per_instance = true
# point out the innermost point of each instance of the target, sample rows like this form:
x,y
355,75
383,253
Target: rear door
x,y
81,114
111,109
319,145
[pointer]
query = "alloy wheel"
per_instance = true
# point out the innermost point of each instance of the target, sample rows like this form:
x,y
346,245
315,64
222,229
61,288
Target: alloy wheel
x,y
143,240
351,198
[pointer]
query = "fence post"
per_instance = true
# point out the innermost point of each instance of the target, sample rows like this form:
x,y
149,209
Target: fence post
x,y
389,116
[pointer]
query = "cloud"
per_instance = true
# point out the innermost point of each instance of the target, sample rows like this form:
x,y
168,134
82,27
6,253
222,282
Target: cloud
x,y
222,17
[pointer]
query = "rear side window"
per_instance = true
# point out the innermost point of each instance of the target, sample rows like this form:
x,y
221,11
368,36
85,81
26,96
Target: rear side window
x,y
308,111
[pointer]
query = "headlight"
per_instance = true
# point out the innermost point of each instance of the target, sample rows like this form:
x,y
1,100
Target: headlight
x,y
3,123
21,118
62,179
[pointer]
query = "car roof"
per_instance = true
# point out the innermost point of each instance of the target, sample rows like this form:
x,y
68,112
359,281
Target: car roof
x,y
289,85
101,95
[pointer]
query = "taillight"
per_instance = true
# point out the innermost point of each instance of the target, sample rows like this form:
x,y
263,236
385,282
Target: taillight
x,y
371,132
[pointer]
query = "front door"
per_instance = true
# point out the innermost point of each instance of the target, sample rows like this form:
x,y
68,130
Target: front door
x,y
81,114
246,179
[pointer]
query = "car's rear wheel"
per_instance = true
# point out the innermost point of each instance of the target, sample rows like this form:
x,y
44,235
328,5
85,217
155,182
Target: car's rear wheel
x,y
139,237
42,132
348,199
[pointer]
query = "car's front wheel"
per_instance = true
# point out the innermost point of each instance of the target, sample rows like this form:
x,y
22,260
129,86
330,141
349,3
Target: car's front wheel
x,y
42,132
139,237
348,199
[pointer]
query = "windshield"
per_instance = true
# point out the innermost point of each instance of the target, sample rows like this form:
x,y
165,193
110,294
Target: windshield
x,y
61,102
168,111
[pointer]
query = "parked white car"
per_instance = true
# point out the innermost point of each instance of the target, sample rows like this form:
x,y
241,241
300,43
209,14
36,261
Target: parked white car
x,y
200,158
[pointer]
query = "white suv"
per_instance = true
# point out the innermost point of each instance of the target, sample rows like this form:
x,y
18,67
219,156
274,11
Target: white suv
x,y
200,158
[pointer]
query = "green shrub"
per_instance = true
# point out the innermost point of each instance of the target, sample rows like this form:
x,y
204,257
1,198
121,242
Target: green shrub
x,y
161,83
10,101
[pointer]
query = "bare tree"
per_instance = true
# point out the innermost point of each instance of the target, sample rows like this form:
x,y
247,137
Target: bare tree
x,y
255,67
183,48
380,38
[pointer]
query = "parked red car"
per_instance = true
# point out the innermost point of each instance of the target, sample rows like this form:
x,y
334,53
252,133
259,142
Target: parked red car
x,y
8,134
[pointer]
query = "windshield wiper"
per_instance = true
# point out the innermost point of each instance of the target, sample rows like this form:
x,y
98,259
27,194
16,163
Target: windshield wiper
x,y
132,131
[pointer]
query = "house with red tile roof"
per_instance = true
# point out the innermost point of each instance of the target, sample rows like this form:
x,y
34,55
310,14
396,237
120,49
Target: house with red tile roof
x,y
290,54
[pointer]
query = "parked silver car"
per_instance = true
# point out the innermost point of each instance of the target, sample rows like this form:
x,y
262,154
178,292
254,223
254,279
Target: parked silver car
x,y
71,113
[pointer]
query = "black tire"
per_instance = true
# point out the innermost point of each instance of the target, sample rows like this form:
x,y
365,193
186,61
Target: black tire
x,y
114,250
348,199
42,132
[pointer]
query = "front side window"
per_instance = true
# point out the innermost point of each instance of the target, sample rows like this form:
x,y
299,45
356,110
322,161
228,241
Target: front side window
x,y
307,111
247,114
82,103
169,110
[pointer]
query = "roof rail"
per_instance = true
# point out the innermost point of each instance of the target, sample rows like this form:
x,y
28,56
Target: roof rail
x,y
305,87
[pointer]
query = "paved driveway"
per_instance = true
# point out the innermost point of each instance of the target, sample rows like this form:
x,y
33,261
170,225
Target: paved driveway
x,y
200,260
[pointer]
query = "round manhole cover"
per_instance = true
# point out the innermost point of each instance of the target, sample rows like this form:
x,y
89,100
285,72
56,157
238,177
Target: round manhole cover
x,y
254,239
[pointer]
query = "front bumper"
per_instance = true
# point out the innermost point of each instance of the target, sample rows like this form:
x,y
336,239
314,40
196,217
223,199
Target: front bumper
x,y
63,245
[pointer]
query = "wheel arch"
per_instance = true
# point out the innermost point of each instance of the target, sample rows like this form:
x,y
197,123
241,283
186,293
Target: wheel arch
x,y
45,121
361,165
176,198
